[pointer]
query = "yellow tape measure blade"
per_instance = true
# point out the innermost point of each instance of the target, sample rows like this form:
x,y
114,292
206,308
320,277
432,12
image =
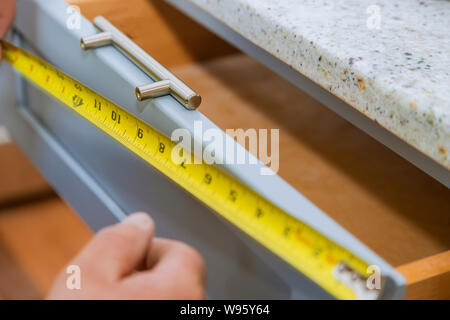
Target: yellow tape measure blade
x,y
310,252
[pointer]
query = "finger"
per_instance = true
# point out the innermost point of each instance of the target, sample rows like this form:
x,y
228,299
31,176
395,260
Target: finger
x,y
177,271
175,259
7,8
118,250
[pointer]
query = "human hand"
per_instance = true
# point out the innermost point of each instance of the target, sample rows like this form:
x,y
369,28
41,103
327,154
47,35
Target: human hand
x,y
7,9
125,262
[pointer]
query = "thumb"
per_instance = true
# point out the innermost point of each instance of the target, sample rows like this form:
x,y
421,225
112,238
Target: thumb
x,y
7,8
118,250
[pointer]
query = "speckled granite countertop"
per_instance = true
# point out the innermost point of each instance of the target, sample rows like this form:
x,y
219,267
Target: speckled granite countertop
x,y
394,68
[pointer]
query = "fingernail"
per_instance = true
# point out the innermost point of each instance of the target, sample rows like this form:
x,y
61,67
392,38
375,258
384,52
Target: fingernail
x,y
140,220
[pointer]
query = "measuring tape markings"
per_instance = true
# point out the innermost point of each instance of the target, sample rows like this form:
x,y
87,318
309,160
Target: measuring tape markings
x,y
298,244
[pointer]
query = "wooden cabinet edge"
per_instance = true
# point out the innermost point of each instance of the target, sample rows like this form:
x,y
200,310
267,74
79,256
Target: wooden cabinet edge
x,y
428,278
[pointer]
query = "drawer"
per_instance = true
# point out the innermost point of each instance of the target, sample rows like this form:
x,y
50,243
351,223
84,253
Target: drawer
x,y
392,207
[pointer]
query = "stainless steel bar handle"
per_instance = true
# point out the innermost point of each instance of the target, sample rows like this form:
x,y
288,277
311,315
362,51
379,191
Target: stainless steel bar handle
x,y
165,82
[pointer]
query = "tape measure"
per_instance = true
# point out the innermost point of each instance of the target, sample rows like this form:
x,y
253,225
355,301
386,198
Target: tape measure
x,y
307,250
